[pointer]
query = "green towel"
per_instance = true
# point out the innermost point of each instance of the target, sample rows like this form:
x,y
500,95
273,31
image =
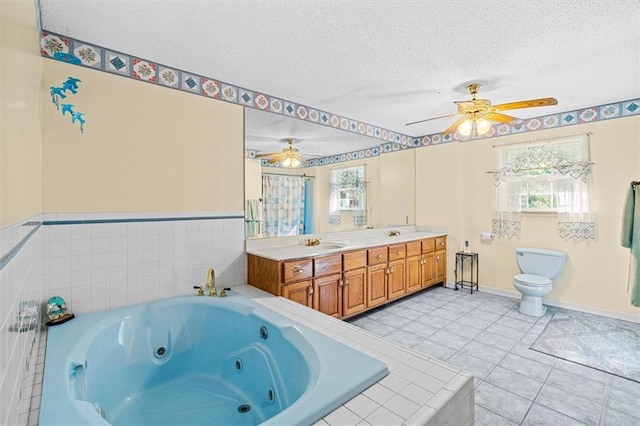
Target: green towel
x,y
252,217
631,240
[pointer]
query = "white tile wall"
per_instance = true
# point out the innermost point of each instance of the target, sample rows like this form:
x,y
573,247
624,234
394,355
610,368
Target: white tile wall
x,y
99,266
20,280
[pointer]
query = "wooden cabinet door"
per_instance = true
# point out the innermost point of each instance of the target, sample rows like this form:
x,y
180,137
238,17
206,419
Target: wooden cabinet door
x,y
327,295
300,292
354,291
377,280
414,274
395,281
428,270
441,266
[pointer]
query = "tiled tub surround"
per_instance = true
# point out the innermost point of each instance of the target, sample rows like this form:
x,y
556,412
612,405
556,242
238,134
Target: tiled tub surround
x,y
420,390
103,261
20,280
100,261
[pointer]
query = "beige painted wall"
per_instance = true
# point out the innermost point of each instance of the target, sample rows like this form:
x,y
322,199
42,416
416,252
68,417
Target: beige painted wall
x,y
396,204
252,179
20,65
461,199
144,148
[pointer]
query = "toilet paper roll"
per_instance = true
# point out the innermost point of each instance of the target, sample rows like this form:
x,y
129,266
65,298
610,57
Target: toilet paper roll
x,y
486,235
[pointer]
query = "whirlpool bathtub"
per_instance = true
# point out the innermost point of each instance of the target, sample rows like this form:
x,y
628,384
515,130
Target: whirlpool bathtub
x,y
197,360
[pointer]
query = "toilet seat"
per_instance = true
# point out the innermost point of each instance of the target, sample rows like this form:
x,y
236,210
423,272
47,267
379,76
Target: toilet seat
x,y
532,280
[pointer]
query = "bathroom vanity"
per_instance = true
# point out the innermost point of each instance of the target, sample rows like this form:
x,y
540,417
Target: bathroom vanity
x,y
347,277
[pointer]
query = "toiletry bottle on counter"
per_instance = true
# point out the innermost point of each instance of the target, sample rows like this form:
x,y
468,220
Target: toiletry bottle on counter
x,y
466,247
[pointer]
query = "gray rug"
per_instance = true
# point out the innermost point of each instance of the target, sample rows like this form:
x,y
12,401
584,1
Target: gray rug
x,y
605,347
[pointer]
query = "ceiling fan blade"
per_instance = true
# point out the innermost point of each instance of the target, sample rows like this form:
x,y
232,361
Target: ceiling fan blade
x,y
530,103
454,126
268,154
429,119
274,160
500,118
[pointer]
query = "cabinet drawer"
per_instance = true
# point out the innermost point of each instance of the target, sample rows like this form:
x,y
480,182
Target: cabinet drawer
x,y
441,243
354,259
429,245
397,251
413,248
324,265
296,270
377,255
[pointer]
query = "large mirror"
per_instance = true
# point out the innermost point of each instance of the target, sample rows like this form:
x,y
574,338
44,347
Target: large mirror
x,y
371,192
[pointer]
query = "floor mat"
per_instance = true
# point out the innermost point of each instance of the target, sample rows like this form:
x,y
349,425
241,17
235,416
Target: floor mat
x,y
605,347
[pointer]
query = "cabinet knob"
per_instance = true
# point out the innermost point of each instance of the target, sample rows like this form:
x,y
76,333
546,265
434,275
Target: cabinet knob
x,y
297,270
399,252
310,290
340,283
346,283
391,270
378,256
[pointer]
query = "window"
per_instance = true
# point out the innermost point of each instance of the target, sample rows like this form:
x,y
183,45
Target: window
x,y
347,192
348,189
551,176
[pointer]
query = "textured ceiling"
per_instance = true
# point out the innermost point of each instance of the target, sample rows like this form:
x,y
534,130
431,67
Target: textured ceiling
x,y
382,62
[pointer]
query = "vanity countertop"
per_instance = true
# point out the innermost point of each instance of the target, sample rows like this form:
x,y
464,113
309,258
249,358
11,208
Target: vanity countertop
x,y
334,244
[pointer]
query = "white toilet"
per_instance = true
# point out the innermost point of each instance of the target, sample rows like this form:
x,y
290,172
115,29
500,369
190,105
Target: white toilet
x,y
539,267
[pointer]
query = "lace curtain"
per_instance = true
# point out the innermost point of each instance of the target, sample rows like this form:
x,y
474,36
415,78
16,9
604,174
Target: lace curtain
x,y
544,176
283,205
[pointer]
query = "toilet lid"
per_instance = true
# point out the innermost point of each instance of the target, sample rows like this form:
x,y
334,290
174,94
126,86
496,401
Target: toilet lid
x,y
528,279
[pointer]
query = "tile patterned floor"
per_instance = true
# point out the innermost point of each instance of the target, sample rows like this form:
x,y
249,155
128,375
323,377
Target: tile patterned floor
x,y
486,335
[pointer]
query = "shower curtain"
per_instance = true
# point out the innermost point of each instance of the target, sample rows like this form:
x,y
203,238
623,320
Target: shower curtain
x,y
631,240
283,205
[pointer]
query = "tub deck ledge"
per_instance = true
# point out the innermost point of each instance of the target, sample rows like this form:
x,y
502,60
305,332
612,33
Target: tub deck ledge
x,y
418,391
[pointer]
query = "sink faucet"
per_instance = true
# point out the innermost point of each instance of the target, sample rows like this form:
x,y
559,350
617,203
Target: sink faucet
x,y
312,242
394,233
211,282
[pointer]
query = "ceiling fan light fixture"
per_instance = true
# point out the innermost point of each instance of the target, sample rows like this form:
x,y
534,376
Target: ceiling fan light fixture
x,y
465,128
477,126
483,125
290,163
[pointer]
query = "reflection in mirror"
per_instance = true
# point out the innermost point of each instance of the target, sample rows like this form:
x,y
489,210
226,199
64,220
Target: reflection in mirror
x,y
377,190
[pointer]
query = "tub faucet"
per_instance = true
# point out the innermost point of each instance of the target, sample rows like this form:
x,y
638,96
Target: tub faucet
x,y
211,282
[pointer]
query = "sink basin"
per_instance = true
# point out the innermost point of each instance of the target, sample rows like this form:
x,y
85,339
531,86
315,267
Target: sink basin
x,y
326,246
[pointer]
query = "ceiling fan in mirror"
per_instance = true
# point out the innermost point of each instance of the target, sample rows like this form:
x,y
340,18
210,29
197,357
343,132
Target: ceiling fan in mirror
x,y
477,114
290,156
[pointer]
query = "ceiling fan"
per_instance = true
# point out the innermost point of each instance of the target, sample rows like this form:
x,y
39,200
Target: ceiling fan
x,y
289,157
477,114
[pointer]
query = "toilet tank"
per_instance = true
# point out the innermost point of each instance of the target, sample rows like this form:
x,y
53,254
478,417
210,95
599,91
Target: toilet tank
x,y
543,262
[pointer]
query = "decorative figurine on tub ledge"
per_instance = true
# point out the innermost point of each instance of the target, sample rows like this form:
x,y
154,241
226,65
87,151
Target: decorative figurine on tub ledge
x,y
57,311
